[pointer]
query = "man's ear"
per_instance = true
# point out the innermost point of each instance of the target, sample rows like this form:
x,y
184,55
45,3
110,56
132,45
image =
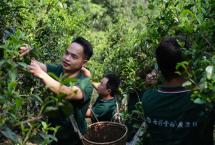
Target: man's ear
x,y
84,63
109,91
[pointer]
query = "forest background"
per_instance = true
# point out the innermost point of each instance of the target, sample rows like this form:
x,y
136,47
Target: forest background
x,y
124,34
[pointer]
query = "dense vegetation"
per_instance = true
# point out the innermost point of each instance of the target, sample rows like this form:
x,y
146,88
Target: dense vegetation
x,y
124,34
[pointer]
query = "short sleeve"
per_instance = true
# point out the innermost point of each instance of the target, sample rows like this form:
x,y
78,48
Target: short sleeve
x,y
86,88
55,69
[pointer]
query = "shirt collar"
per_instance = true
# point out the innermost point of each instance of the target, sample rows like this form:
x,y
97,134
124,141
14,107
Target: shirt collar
x,y
103,100
172,89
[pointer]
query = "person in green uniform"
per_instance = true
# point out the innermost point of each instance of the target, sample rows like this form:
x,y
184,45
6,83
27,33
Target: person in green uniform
x,y
104,107
171,117
76,56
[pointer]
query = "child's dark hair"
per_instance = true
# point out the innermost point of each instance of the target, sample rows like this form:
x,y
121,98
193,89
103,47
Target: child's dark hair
x,y
113,83
88,49
168,54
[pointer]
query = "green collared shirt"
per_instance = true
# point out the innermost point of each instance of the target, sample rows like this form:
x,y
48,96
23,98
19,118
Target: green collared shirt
x,y
173,119
103,110
79,106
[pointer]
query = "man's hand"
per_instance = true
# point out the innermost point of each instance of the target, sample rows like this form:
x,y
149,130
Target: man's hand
x,y
24,50
89,112
86,72
95,85
35,69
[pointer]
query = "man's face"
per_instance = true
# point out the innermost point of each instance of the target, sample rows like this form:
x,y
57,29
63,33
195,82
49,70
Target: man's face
x,y
152,78
73,58
102,88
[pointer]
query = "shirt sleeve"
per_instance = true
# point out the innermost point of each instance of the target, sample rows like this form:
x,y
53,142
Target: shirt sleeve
x,y
86,88
51,67
55,69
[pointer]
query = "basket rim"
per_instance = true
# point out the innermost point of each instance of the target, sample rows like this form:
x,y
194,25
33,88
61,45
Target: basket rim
x,y
107,122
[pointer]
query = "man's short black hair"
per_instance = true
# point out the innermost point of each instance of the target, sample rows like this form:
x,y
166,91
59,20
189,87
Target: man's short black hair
x,y
113,83
168,54
88,49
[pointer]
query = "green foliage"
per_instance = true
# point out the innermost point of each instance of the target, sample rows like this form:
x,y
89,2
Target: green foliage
x,y
124,33
22,97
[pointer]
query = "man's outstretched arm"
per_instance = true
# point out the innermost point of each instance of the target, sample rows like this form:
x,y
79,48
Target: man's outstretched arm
x,y
73,92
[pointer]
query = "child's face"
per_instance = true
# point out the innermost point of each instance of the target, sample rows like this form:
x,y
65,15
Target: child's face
x,y
102,88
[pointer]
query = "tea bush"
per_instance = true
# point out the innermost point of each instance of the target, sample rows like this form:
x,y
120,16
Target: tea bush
x,y
124,33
